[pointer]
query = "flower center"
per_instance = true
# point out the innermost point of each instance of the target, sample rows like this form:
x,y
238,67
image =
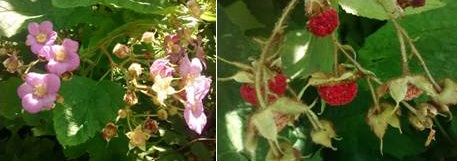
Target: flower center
x,y
60,55
39,90
41,38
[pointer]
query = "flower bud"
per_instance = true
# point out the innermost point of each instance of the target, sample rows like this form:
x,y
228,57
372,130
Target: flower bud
x,y
148,37
122,114
162,114
172,110
135,70
121,51
109,131
194,8
12,64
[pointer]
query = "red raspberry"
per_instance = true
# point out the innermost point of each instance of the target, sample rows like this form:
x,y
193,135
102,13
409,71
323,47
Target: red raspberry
x,y
417,3
248,94
323,23
413,92
278,84
337,94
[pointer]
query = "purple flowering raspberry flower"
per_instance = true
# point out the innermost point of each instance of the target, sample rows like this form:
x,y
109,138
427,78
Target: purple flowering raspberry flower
x,y
39,92
196,88
188,69
40,38
160,67
63,58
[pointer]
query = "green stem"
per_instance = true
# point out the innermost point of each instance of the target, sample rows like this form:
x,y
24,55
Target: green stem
x,y
404,57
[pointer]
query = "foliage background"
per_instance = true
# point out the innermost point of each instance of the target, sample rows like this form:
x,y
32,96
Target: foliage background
x,y
434,31
96,24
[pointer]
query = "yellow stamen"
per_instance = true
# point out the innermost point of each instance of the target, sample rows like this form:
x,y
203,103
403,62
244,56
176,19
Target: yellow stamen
x,y
40,90
60,55
41,38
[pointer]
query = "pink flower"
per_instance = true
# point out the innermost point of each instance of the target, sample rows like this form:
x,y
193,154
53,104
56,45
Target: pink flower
x,y
190,69
39,91
63,58
196,88
160,67
196,120
40,38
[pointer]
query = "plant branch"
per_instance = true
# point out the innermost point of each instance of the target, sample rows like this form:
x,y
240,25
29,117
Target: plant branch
x,y
404,57
276,32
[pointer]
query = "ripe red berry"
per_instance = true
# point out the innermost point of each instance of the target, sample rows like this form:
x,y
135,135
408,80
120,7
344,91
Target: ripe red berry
x,y
248,94
278,84
413,92
339,93
323,23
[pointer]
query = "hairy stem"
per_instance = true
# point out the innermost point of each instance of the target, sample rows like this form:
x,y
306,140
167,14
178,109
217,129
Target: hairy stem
x,y
260,64
421,60
404,57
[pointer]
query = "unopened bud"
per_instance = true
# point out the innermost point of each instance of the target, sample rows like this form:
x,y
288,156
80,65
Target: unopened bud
x,y
172,110
162,114
122,114
121,51
135,70
148,37
194,8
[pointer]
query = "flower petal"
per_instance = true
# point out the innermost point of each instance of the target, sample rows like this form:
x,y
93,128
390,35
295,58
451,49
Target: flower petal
x,y
30,40
24,89
195,123
33,28
52,83
48,101
34,78
72,61
36,48
56,67
70,46
46,26
31,104
52,36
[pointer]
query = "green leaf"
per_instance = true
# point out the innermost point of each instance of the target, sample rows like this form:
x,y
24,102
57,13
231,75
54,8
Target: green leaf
x,y
286,105
373,8
265,123
303,54
10,104
140,6
241,16
431,38
200,150
87,108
